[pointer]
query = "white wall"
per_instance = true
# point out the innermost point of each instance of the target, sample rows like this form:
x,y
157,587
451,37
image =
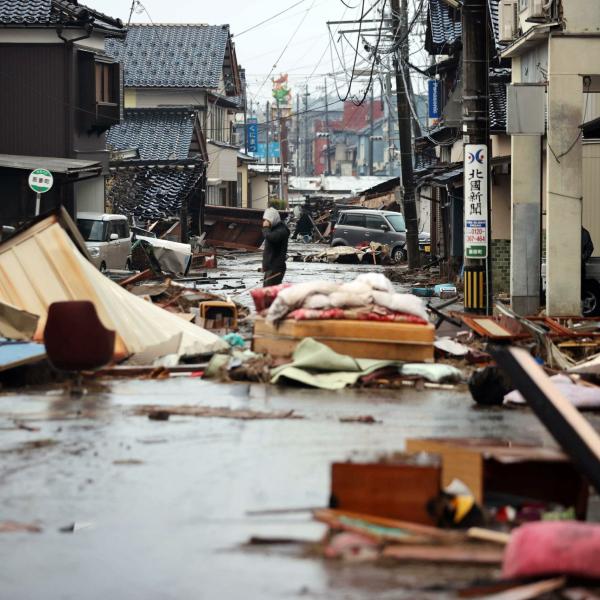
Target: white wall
x,y
154,98
89,195
223,163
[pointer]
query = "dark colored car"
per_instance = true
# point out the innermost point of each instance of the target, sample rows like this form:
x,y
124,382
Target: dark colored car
x,y
355,227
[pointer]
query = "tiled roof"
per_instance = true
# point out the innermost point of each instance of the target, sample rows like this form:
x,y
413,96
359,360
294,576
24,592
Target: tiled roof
x,y
158,134
443,28
152,193
25,11
188,56
44,12
497,104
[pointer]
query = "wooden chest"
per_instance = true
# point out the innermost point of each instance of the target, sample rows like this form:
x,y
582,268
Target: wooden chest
x,y
359,339
393,490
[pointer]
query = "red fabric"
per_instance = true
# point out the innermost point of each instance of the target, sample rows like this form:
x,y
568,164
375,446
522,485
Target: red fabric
x,y
371,314
264,297
548,548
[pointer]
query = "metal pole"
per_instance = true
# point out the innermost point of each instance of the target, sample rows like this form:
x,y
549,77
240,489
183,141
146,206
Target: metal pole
x,y
400,31
298,153
390,124
38,202
372,127
280,151
327,130
306,94
267,126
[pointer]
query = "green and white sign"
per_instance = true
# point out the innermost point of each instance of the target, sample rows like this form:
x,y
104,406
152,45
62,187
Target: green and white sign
x,y
41,181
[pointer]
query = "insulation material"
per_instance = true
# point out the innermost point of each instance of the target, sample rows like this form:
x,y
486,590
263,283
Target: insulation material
x,y
42,265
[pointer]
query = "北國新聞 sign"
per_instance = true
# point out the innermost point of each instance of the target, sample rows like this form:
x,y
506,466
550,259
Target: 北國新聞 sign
x,y
476,201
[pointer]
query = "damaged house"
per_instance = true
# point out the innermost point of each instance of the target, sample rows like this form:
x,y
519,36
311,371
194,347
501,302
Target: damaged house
x,y
439,152
59,95
175,150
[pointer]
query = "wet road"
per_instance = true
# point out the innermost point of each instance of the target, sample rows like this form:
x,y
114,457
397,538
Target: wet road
x,y
161,507
170,521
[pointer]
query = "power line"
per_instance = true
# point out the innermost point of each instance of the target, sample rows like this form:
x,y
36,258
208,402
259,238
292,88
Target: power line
x,y
270,18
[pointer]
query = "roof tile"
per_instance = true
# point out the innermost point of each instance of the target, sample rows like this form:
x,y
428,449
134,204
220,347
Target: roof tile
x,y
189,56
158,134
151,193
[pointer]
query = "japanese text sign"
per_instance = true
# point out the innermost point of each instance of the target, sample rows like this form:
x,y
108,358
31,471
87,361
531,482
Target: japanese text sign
x,y
476,201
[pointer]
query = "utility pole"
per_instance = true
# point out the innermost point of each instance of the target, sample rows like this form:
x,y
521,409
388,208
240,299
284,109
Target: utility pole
x,y
371,127
476,139
267,126
281,153
327,130
298,153
390,124
285,157
400,33
306,95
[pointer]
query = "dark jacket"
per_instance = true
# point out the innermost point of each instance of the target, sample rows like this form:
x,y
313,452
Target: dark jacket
x,y
587,246
276,245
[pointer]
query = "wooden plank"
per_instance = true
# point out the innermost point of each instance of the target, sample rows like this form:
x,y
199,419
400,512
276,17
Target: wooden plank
x,y
529,591
462,554
566,424
342,519
284,347
368,330
360,339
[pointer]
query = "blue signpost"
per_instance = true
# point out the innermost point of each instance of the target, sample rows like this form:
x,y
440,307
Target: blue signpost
x,y
434,99
252,134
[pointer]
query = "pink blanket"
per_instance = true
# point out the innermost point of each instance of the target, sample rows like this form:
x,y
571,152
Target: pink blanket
x,y
548,548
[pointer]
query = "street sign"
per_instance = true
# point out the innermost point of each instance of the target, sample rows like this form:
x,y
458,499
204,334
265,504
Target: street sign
x,y
40,181
434,98
476,201
252,134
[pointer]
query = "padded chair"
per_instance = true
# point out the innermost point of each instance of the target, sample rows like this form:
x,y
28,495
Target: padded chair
x,y
75,338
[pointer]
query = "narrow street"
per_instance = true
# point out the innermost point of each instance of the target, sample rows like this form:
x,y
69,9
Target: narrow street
x,y
165,505
299,299
176,520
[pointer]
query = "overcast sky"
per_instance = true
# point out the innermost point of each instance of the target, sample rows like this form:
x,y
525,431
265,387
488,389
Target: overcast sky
x,y
259,49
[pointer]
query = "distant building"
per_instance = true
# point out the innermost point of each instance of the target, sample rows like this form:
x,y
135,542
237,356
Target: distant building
x,y
183,87
59,94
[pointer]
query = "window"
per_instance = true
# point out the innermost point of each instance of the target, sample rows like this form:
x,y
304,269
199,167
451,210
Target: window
x,y
375,222
91,230
99,92
122,228
354,220
105,84
397,222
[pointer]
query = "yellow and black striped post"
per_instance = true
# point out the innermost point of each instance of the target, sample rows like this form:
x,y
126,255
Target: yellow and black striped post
x,y
475,289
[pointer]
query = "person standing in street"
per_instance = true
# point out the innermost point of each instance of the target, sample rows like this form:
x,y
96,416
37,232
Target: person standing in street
x,y
276,236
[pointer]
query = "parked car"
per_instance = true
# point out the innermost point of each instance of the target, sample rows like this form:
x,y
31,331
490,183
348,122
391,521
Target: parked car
x,y
355,227
107,238
425,242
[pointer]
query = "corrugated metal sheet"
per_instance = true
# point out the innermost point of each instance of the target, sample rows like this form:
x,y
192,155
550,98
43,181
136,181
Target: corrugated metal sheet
x,y
591,192
42,265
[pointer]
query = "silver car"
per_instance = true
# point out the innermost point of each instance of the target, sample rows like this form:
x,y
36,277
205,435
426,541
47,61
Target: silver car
x,y
355,227
107,238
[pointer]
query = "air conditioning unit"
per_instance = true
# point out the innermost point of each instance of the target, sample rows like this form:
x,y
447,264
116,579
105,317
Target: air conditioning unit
x,y
508,19
536,9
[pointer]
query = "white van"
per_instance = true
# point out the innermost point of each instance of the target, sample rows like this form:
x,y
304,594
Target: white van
x,y
107,239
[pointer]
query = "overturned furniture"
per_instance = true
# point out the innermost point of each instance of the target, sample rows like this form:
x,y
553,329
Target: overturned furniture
x,y
47,262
